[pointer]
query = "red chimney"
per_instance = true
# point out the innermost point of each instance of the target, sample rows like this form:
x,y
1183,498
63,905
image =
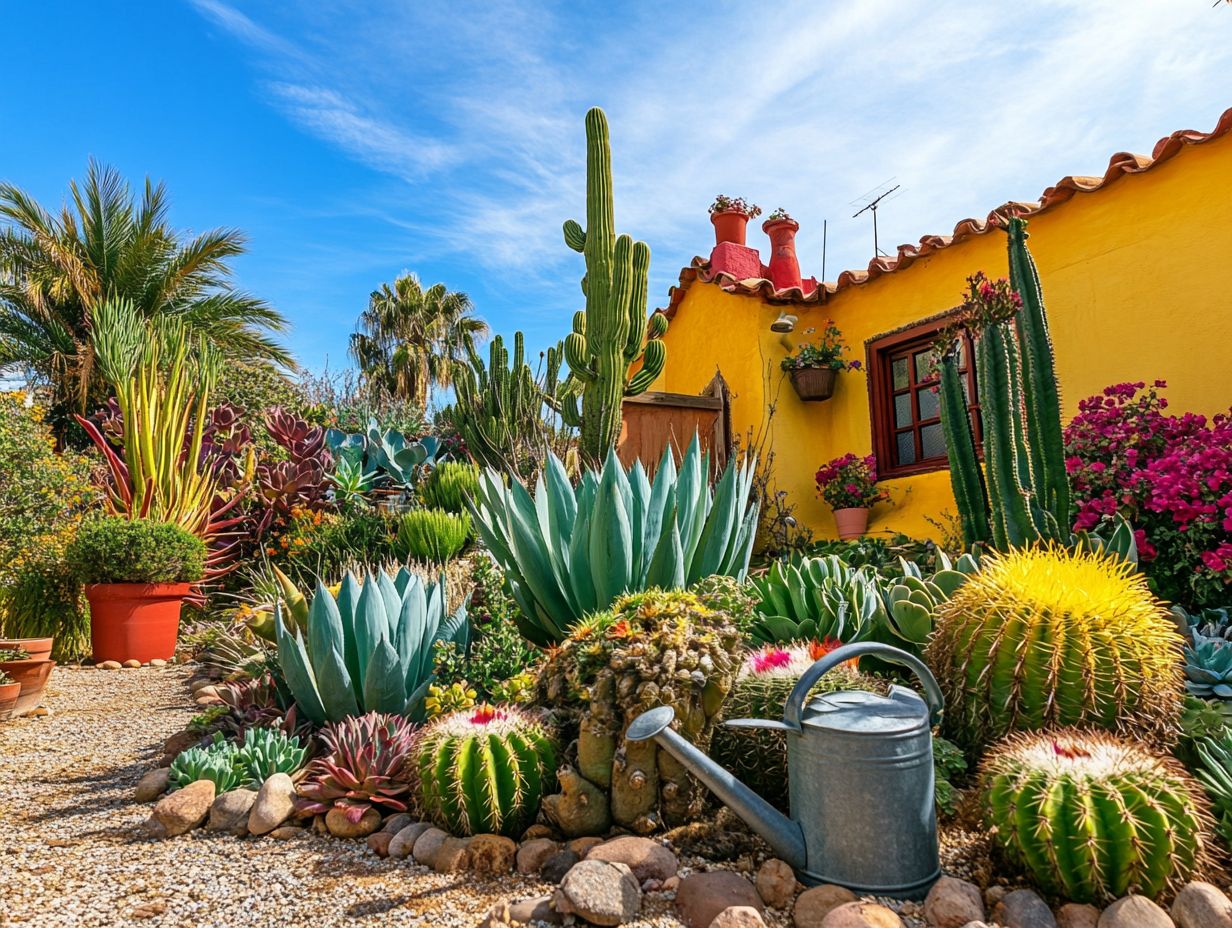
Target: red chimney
x,y
784,266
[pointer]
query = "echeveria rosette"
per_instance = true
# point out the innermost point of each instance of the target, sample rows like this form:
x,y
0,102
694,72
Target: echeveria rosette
x,y
365,766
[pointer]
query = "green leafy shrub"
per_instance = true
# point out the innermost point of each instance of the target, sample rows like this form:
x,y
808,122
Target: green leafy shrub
x,y
450,485
321,546
484,770
118,550
1092,817
433,535
1049,637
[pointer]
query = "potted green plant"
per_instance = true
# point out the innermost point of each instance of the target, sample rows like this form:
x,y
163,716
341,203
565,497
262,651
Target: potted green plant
x,y
731,216
136,573
38,648
29,674
849,485
10,689
815,365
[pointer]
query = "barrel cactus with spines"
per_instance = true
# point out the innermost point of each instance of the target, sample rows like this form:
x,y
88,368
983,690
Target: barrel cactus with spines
x,y
484,770
612,332
756,756
1092,817
1049,637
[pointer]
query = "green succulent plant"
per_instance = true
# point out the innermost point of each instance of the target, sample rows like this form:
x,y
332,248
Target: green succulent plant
x,y
817,598
267,751
485,770
450,485
568,551
366,764
433,535
1208,670
262,753
1214,770
370,648
1092,817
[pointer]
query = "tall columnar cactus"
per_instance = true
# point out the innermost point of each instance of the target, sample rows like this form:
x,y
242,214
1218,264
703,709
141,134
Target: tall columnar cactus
x,y
1047,637
1092,817
484,770
611,333
651,649
501,414
1024,497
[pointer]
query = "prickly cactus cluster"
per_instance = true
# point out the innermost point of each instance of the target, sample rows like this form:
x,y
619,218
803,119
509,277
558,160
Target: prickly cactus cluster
x,y
484,770
1092,817
651,649
1046,637
767,676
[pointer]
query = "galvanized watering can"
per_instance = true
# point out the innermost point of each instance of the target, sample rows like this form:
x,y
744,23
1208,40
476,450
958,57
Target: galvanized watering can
x,y
860,780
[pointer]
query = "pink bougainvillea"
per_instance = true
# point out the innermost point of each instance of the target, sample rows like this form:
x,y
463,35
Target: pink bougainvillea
x,y
1171,476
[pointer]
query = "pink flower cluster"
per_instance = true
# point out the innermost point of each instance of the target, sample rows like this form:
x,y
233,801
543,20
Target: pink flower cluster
x,y
849,482
1171,476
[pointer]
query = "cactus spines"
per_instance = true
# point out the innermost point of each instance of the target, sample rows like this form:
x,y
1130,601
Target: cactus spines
x,y
484,770
1047,637
1092,817
1026,496
612,333
651,649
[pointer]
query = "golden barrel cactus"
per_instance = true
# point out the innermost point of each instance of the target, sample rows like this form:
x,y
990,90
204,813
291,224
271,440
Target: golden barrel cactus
x,y
1047,637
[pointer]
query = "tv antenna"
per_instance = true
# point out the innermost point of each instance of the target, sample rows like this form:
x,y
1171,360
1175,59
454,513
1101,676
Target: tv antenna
x,y
869,203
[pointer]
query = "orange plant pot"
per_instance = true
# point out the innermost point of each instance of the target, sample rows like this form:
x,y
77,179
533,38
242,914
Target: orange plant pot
x,y
135,621
730,226
852,523
38,648
8,699
31,678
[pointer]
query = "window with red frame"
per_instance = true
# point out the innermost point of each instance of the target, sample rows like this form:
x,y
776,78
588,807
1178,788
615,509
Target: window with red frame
x,y
906,407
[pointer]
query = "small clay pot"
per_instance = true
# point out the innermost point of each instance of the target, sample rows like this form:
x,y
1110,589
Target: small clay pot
x,y
730,226
8,699
38,648
31,677
852,522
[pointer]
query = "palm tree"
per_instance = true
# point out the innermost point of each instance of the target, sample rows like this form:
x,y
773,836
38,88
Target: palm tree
x,y
411,339
56,270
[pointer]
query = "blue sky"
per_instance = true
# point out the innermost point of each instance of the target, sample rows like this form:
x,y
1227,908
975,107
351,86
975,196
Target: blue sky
x,y
353,141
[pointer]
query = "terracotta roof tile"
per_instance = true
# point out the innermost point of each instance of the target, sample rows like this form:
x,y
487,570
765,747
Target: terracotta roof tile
x,y
1121,164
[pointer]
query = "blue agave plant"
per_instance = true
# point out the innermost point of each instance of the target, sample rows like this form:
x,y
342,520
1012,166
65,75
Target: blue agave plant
x,y
370,648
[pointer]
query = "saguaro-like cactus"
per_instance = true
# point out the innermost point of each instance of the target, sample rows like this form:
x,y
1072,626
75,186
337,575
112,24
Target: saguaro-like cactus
x,y
611,333
501,413
1026,497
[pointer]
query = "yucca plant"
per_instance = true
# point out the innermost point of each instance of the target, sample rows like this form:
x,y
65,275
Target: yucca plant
x,y
568,551
484,770
1092,817
450,485
366,765
1048,637
433,535
370,648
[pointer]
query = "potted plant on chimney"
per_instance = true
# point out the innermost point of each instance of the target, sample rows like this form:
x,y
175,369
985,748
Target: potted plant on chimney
x,y
849,485
814,366
10,689
136,573
730,216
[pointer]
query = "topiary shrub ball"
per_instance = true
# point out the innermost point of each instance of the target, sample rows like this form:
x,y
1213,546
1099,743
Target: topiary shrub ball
x,y
1049,637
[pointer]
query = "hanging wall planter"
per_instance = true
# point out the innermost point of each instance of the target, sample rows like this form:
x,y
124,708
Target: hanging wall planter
x,y
814,384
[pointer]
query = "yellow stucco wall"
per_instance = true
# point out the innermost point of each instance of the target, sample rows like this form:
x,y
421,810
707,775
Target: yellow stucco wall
x,y
1137,281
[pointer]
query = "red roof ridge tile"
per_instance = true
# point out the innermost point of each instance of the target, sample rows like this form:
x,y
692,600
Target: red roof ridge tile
x,y
1119,165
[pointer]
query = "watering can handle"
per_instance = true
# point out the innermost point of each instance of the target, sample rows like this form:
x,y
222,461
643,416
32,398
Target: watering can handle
x,y
795,702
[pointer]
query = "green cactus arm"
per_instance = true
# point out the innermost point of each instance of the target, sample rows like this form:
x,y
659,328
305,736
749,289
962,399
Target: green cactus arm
x,y
635,307
653,361
1044,403
1012,524
577,355
966,477
575,235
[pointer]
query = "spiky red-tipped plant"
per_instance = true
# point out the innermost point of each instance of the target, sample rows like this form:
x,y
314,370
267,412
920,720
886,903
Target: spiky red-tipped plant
x,y
364,767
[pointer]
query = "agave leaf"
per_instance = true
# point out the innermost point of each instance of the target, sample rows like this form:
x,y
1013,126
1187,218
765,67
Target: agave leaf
x,y
348,602
639,489
392,601
582,596
325,627
610,538
667,566
692,500
297,669
713,543
384,685
337,689
371,625
949,581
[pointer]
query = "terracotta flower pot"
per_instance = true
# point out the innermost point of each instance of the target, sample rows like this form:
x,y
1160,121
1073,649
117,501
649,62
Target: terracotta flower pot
x,y
814,384
39,648
135,621
8,699
852,523
784,265
31,678
729,226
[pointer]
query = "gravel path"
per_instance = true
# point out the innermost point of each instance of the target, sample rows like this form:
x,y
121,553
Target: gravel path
x,y
71,855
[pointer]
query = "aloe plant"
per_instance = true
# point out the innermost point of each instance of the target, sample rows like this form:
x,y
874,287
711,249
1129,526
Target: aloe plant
x,y
383,456
370,648
570,551
819,597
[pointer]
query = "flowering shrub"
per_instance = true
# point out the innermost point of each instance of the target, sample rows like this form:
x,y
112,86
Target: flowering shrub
x,y
827,352
849,482
726,204
1171,476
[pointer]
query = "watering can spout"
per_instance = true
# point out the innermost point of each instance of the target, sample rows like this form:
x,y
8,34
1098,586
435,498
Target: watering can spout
x,y
779,831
